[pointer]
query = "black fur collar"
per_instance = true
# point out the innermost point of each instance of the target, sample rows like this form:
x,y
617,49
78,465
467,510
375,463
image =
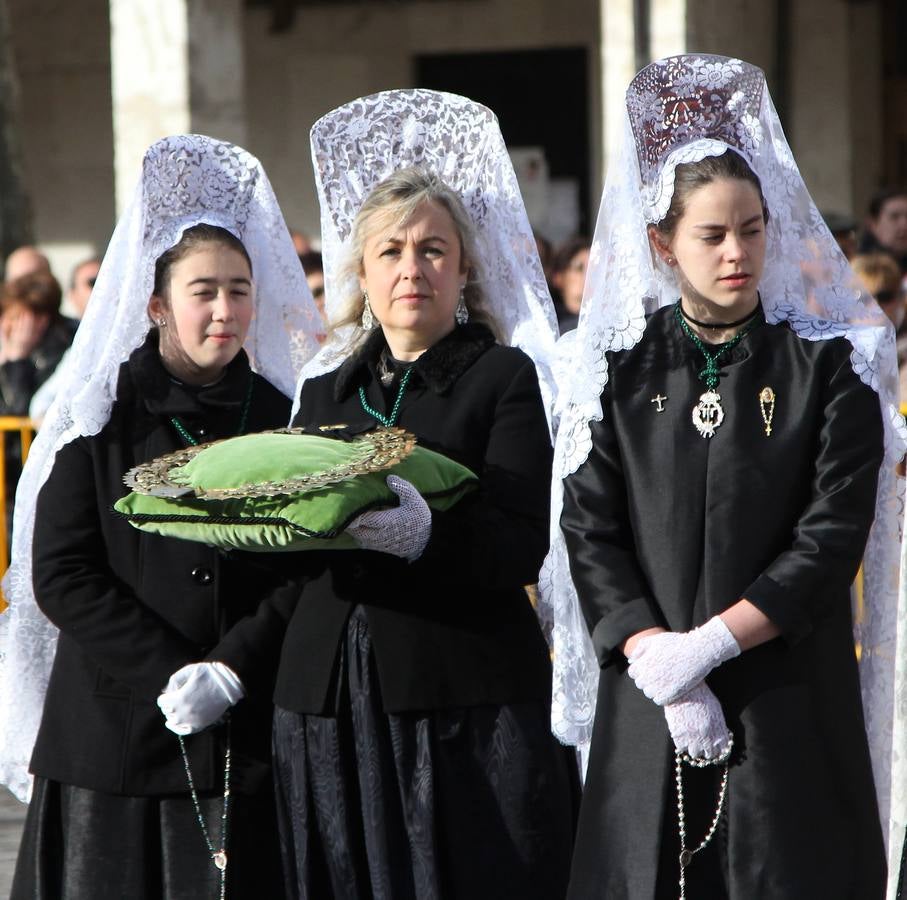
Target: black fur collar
x,y
438,367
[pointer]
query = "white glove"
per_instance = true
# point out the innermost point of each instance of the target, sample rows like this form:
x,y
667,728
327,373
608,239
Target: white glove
x,y
402,530
697,725
666,666
198,695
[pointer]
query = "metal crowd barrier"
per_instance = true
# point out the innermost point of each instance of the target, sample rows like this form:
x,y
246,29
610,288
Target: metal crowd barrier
x,y
9,427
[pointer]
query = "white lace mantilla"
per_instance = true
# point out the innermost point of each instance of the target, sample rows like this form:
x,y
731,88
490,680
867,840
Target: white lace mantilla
x,y
186,179
682,110
358,145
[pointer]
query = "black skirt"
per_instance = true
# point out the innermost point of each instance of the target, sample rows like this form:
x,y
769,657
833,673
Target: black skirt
x,y
460,804
80,844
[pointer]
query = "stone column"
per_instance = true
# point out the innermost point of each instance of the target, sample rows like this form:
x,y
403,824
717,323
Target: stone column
x,y
835,121
15,202
618,66
177,66
669,28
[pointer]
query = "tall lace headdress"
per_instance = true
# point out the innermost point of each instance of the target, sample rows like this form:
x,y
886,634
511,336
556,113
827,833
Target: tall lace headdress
x,y
186,180
680,110
356,146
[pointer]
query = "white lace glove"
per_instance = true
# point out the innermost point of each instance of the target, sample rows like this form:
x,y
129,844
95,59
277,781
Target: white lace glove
x,y
198,695
666,666
696,722
403,530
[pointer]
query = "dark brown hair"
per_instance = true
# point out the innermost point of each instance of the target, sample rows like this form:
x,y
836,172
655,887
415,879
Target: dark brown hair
x,y
689,177
881,197
191,239
564,254
39,291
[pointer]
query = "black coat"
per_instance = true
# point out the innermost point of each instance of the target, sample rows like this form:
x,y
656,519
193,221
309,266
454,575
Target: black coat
x,y
667,528
132,608
454,628
19,379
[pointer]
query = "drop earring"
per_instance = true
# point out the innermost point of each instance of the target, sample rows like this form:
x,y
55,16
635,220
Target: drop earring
x,y
368,320
462,314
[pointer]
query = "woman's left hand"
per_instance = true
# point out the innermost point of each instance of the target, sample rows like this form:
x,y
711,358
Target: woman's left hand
x,y
697,725
198,695
668,665
402,531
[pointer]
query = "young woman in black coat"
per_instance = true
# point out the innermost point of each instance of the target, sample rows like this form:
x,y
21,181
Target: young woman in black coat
x,y
716,511
112,814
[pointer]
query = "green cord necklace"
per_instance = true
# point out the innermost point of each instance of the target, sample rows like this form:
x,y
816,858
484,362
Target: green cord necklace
x,y
707,413
193,442
391,420
218,857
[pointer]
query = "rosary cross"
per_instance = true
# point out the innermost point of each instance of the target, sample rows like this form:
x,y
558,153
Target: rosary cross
x,y
658,399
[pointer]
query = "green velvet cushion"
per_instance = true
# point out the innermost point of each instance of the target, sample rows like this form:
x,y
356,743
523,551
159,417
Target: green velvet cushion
x,y
314,519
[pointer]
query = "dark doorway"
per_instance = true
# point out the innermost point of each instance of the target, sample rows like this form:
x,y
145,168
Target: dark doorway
x,y
539,96
894,91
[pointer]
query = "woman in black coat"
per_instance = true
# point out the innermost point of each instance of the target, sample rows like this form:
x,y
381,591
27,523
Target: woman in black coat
x,y
113,813
412,744
715,524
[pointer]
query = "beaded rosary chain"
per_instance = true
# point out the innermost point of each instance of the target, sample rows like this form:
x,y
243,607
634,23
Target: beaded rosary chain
x,y
723,759
218,857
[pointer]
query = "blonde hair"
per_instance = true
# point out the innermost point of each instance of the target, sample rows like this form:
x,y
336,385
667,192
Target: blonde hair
x,y
877,271
392,203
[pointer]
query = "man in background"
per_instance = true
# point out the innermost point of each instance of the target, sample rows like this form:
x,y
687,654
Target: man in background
x,y
26,260
886,225
81,284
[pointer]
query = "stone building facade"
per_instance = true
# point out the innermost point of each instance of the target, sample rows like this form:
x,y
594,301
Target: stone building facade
x,y
101,79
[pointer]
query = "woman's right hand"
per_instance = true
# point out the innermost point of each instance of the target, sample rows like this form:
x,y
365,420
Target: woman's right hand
x,y
402,530
198,695
697,725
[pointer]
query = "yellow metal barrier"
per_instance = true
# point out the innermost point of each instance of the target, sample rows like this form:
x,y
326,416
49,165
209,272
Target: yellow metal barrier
x,y
10,425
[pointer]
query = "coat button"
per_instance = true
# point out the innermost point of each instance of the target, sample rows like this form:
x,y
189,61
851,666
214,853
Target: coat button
x,y
357,571
201,575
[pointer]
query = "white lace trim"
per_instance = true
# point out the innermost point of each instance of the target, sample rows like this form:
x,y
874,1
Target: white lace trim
x,y
358,145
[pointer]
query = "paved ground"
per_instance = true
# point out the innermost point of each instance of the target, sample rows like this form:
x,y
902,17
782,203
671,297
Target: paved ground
x,y
12,814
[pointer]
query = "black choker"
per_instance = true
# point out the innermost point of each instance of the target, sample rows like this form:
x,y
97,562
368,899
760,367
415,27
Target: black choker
x,y
715,326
